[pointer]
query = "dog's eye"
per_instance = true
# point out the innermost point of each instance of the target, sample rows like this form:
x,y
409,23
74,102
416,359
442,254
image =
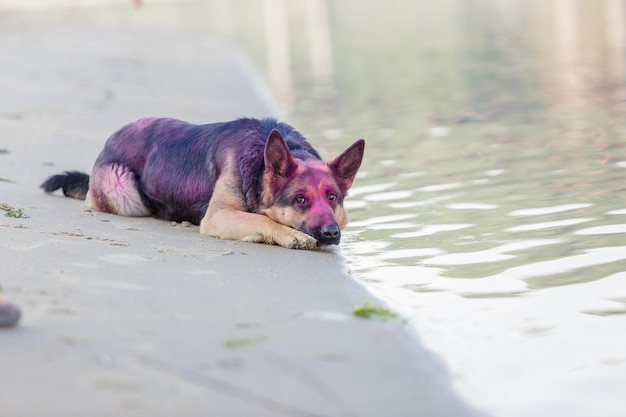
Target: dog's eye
x,y
332,197
300,200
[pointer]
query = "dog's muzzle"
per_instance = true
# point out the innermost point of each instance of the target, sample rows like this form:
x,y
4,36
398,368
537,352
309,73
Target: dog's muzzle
x,y
329,234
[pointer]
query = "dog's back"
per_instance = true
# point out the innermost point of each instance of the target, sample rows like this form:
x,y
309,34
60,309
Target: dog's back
x,y
168,167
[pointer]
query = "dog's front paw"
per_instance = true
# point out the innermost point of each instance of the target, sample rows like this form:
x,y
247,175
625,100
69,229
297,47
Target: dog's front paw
x,y
307,242
297,240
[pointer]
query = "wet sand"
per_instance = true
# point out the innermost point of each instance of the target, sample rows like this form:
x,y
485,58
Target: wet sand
x,y
143,317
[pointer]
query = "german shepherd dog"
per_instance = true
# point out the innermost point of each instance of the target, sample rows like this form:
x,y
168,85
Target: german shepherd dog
x,y
248,179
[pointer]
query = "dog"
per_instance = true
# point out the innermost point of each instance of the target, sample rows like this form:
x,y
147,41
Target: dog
x,y
254,180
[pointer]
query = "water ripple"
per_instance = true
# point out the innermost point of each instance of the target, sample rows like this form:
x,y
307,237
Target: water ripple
x,y
389,195
490,255
373,188
431,229
591,257
603,230
548,210
546,225
382,219
441,187
472,206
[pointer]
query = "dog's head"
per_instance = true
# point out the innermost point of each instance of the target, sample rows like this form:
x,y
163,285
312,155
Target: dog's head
x,y
307,194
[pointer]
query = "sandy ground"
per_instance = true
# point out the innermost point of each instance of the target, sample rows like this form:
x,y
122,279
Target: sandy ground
x,y
141,317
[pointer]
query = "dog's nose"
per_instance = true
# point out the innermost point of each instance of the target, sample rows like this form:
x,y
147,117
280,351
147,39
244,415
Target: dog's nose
x,y
331,232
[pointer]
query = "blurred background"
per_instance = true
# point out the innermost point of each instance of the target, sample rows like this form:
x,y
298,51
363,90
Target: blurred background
x,y
490,206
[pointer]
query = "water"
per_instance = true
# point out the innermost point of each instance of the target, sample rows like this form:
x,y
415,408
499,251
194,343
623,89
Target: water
x,y
490,209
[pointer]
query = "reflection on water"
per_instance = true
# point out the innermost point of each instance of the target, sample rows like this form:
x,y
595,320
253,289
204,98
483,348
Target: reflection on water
x,y
490,206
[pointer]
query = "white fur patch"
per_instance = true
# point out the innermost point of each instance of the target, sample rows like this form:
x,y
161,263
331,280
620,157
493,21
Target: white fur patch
x,y
119,185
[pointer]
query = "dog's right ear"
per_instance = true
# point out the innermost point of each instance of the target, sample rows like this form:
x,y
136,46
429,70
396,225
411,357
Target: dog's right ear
x,y
278,159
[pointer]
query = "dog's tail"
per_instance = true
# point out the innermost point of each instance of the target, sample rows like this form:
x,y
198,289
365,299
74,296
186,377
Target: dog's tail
x,y
74,184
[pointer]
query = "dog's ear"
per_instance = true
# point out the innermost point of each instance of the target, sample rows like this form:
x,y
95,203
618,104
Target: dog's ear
x,y
278,159
346,165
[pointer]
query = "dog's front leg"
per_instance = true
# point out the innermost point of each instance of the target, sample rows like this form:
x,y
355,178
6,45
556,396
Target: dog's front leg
x,y
252,227
226,217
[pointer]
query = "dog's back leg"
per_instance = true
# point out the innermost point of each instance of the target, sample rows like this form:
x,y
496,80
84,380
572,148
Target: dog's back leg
x,y
114,188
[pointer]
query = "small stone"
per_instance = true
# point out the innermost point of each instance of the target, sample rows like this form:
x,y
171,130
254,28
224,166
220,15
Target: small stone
x,y
9,314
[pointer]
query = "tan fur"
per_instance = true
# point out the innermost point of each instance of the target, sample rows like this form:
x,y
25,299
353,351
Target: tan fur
x,y
341,216
226,218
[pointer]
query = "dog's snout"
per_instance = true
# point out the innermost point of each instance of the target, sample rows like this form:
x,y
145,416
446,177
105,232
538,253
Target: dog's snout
x,y
330,234
330,231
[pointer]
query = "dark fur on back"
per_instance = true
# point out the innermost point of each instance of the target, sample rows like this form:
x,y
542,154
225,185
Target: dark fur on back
x,y
193,153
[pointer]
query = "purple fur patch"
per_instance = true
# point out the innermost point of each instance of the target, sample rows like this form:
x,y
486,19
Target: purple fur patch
x,y
177,163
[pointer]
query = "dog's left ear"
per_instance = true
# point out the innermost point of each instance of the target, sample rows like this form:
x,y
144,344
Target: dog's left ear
x,y
346,165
